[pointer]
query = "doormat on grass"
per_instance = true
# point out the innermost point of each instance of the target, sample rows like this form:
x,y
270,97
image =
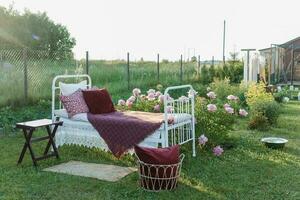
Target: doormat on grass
x,y
99,171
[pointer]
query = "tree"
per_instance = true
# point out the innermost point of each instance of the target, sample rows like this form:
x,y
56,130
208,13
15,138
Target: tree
x,y
35,31
212,73
234,68
193,59
204,75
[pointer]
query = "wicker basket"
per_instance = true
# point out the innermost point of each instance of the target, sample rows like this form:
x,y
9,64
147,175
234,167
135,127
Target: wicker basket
x,y
154,177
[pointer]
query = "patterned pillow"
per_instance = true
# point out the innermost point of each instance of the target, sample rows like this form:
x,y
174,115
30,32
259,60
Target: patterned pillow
x,y
74,103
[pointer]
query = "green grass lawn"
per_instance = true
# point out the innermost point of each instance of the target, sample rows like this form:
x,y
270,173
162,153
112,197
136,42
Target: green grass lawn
x,y
248,171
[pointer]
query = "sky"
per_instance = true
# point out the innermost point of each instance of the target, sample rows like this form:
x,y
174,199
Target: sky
x,y
108,29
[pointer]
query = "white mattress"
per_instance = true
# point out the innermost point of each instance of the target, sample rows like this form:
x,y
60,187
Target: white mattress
x,y
83,116
78,130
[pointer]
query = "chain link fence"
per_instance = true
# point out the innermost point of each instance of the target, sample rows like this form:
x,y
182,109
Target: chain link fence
x,y
26,75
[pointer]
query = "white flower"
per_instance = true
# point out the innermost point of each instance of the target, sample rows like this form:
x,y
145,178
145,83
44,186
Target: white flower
x,y
232,98
132,99
157,94
211,107
136,92
229,110
192,93
184,99
170,109
243,112
211,95
151,96
121,102
151,91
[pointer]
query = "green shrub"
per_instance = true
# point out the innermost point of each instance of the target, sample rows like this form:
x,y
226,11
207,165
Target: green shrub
x,y
264,114
215,125
223,88
258,121
257,92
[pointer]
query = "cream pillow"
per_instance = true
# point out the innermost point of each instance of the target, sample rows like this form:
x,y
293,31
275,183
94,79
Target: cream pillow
x,y
68,89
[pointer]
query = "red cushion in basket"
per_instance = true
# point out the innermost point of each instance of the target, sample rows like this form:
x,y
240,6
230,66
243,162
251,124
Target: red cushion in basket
x,y
160,156
158,178
98,101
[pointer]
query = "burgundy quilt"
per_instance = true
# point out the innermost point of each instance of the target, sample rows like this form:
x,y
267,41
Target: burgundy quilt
x,y
122,130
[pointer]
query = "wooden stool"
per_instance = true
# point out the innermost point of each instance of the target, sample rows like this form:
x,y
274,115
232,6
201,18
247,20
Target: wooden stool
x,y
28,129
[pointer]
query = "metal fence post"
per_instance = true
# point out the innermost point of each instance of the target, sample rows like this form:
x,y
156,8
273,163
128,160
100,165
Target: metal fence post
x,y
181,72
25,74
199,63
87,62
128,75
158,67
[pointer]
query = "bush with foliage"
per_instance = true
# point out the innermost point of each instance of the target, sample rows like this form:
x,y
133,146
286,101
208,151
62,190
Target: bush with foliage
x,y
264,109
264,114
215,119
257,92
223,88
152,102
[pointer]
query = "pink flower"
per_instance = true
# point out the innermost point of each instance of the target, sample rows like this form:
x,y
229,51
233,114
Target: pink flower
x,y
232,97
121,102
161,98
192,93
171,119
169,98
218,150
202,139
136,92
229,110
243,112
131,99
211,95
170,109
157,94
129,103
211,107
226,105
151,91
151,96
156,108
183,99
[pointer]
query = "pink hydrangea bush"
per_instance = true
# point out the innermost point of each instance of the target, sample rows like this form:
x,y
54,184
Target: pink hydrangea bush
x,y
216,118
152,101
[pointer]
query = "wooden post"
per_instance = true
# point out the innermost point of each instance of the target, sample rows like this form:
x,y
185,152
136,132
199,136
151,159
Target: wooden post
x,y
199,63
270,66
181,72
292,65
25,74
158,67
128,75
224,42
87,62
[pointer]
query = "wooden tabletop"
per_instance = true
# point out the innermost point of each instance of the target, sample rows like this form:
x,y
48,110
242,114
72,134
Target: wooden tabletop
x,y
38,123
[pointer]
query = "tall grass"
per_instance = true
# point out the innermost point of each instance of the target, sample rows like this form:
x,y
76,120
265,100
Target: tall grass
x,y
109,74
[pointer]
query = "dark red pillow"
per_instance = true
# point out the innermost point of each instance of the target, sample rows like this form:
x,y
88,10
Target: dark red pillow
x,y
158,178
160,156
98,101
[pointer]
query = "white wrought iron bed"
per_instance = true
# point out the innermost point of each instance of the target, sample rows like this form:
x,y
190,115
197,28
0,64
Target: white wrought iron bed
x,y
79,130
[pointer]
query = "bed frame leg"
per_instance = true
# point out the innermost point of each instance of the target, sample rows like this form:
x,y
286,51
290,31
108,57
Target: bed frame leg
x,y
194,145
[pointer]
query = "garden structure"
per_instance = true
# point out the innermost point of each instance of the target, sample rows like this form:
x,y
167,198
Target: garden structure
x,y
283,62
